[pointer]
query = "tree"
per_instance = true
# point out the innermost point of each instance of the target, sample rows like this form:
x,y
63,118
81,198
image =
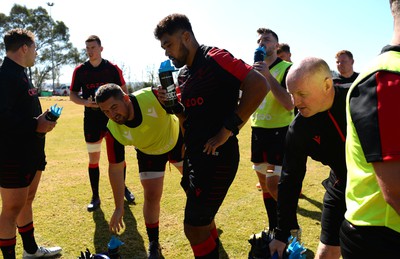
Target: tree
x,y
52,38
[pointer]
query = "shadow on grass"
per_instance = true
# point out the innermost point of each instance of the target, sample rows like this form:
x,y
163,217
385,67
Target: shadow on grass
x,y
316,215
133,242
222,252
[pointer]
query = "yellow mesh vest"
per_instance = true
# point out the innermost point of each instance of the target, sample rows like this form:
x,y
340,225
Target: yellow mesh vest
x,y
271,114
158,132
365,203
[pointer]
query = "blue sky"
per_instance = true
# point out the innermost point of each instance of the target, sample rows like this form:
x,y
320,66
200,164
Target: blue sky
x,y
317,28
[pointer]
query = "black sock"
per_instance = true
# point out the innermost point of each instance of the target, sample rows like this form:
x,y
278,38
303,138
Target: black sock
x,y
94,176
28,238
270,205
7,247
152,231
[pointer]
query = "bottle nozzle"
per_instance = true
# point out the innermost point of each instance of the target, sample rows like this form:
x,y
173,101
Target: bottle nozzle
x,y
166,66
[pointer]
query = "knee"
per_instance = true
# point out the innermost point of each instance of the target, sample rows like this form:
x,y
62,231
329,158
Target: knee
x,y
12,210
196,235
152,195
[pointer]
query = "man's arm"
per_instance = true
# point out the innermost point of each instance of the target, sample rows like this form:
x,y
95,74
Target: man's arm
x,y
116,175
254,88
388,176
289,187
74,97
277,89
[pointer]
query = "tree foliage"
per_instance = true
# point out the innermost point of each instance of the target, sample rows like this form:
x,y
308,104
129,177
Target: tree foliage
x,y
52,39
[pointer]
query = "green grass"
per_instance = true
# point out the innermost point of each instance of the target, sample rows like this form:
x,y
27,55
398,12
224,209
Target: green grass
x,y
61,218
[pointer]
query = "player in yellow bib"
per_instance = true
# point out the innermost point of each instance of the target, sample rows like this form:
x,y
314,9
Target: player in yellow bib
x,y
139,120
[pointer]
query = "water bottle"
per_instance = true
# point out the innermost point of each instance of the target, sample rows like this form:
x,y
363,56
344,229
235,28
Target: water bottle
x,y
53,115
259,54
113,247
167,82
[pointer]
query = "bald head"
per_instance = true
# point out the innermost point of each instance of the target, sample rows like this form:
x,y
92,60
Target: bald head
x,y
310,84
309,67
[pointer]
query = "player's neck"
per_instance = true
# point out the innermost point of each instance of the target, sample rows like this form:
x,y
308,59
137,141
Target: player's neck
x,y
95,62
271,59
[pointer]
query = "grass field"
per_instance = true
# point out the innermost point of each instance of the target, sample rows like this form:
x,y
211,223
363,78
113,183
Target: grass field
x,y
61,218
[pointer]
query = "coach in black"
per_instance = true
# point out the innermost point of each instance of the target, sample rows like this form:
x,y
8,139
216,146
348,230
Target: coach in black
x,y
22,156
88,77
210,81
319,132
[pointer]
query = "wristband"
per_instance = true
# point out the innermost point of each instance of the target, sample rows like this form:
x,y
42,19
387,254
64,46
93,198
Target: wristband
x,y
232,123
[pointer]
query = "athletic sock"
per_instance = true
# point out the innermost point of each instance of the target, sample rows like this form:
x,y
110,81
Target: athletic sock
x,y
152,231
206,250
94,176
28,238
7,247
270,206
214,234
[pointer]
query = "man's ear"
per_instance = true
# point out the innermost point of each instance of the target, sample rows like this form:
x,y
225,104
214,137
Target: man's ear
x,y
186,36
24,48
126,98
328,84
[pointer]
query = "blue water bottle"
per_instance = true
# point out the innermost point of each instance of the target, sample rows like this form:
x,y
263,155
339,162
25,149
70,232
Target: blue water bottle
x,y
53,115
113,247
167,82
259,54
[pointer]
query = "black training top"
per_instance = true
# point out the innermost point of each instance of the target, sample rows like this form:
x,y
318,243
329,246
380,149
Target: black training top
x,y
89,78
321,137
210,93
19,105
345,80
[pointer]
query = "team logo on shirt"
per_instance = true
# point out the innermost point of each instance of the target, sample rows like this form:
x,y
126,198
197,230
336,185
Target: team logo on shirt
x,y
32,92
317,139
152,112
127,134
192,102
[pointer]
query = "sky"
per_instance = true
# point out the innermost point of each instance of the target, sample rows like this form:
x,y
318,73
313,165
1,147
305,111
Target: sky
x,y
318,28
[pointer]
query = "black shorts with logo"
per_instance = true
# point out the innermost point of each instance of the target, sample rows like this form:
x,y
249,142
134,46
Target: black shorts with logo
x,y
206,180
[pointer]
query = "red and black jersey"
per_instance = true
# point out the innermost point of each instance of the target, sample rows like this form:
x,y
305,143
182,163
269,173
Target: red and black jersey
x,y
88,78
321,137
210,92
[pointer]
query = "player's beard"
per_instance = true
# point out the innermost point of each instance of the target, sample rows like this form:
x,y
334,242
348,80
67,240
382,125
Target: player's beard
x,y
183,56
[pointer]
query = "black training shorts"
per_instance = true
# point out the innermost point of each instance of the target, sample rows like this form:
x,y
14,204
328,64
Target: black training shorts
x,y
94,125
156,163
267,145
206,180
18,166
